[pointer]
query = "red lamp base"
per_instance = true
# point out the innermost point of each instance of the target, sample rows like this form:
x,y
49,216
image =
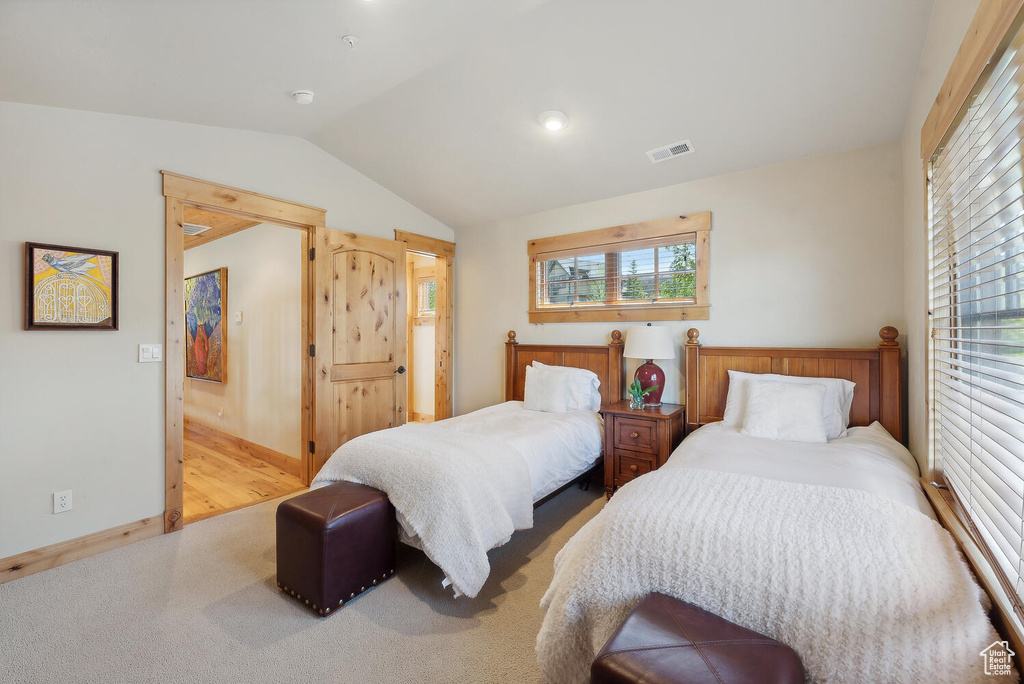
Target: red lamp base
x,y
650,375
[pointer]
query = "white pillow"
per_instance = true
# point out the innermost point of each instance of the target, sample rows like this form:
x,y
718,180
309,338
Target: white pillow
x,y
545,391
785,411
583,386
835,406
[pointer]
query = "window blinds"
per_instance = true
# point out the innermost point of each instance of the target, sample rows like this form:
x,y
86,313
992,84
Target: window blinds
x,y
976,198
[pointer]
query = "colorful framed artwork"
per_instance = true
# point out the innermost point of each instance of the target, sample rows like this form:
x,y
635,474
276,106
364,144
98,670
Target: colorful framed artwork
x,y
206,338
70,288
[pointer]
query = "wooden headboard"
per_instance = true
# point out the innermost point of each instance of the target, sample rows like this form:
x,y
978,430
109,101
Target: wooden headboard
x,y
878,395
605,360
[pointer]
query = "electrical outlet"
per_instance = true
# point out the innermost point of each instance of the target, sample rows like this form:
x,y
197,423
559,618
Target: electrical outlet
x,y
62,501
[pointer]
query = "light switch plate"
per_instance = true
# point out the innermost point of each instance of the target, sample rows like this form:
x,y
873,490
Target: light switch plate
x,y
150,353
238,317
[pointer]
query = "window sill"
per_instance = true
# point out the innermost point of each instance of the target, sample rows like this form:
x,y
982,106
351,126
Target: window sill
x,y
620,313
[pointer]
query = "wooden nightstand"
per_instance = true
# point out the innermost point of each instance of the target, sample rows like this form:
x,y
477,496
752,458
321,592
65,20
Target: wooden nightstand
x,y
637,442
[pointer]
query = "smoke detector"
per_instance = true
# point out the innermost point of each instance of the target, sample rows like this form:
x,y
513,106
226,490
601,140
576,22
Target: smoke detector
x,y
351,40
303,97
194,228
670,151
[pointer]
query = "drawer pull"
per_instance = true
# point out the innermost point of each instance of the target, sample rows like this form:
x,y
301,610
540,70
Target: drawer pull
x,y
633,468
634,435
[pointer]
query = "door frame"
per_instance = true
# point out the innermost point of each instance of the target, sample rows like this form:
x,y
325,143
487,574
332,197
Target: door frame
x,y
444,323
180,191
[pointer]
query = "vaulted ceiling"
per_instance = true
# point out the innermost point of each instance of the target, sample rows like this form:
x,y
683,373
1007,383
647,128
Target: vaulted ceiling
x,y
439,100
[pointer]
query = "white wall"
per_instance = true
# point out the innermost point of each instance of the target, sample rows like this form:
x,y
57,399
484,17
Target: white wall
x,y
76,409
947,28
804,253
262,399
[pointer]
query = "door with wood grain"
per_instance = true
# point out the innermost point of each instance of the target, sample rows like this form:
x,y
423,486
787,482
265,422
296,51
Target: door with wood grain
x,y
361,341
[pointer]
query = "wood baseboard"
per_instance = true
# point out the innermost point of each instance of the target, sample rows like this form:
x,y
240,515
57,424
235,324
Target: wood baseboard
x,y
421,417
292,466
37,560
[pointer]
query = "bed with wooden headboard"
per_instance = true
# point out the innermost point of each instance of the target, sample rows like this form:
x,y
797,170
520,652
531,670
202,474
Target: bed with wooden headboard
x,y
878,395
604,360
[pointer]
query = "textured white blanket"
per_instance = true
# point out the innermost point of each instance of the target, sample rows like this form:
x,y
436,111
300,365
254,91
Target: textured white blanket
x,y
863,588
462,494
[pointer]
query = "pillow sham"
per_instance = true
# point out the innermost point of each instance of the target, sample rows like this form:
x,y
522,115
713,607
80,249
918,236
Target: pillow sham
x,y
583,386
785,411
548,392
835,406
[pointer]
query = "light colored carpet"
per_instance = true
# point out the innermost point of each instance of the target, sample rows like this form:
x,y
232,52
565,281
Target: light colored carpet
x,y
202,605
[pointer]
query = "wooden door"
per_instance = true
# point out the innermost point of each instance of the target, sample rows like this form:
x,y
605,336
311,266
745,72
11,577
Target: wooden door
x,y
361,383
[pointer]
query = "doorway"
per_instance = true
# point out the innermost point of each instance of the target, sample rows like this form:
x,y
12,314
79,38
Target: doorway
x,y
243,362
430,269
181,192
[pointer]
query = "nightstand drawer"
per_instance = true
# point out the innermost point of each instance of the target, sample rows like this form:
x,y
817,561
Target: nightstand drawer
x,y
632,433
630,465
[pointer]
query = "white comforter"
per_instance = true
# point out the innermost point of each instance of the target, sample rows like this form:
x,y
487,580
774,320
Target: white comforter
x,y
462,486
861,583
461,494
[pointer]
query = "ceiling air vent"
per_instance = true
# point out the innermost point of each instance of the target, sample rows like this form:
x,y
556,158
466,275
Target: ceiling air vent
x,y
669,151
194,228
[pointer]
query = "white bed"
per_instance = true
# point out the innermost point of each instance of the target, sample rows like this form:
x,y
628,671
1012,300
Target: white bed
x,y
557,447
830,548
775,516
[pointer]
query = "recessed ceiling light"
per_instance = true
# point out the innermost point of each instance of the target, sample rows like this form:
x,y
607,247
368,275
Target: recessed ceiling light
x,y
553,120
302,96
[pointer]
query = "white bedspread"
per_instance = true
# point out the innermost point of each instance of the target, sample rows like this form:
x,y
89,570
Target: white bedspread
x,y
461,494
558,447
857,579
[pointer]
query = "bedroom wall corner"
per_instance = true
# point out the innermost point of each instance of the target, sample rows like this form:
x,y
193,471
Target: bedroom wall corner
x,y
804,253
77,410
947,27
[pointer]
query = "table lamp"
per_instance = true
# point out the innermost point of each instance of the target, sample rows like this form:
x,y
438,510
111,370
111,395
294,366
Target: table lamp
x,y
649,342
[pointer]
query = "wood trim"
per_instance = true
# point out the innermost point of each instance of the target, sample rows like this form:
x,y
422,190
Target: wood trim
x,y
292,466
206,194
672,225
178,191
221,223
877,372
411,305
604,360
37,560
427,245
987,34
621,313
174,367
1006,620
420,417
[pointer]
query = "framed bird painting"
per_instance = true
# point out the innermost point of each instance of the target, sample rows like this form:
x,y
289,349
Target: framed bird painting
x,y
70,288
206,338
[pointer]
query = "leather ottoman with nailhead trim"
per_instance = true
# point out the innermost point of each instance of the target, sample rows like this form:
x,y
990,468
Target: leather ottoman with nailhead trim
x,y
333,544
665,640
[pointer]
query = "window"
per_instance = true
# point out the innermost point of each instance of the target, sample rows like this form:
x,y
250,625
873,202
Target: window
x,y
657,270
426,297
976,272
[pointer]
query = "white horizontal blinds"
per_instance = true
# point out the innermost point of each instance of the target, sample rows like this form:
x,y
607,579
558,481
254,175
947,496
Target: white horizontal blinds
x,y
645,271
977,310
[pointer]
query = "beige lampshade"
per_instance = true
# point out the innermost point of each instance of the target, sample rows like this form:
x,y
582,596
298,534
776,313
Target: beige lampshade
x,y
649,342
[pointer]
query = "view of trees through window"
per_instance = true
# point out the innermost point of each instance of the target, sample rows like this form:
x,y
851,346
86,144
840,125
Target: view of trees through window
x,y
649,274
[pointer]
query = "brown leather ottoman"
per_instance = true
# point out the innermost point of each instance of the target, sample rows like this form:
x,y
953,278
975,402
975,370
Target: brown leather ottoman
x,y
667,640
334,543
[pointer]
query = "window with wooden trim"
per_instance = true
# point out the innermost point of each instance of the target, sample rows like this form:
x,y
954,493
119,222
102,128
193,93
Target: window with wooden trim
x,y
976,281
656,270
426,297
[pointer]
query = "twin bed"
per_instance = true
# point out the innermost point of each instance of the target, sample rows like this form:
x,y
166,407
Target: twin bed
x,y
828,546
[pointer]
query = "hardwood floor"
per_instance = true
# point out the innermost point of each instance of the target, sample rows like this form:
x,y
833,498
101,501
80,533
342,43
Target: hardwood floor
x,y
220,477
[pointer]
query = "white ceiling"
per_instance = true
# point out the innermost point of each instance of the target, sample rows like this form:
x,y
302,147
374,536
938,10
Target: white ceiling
x,y
439,100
